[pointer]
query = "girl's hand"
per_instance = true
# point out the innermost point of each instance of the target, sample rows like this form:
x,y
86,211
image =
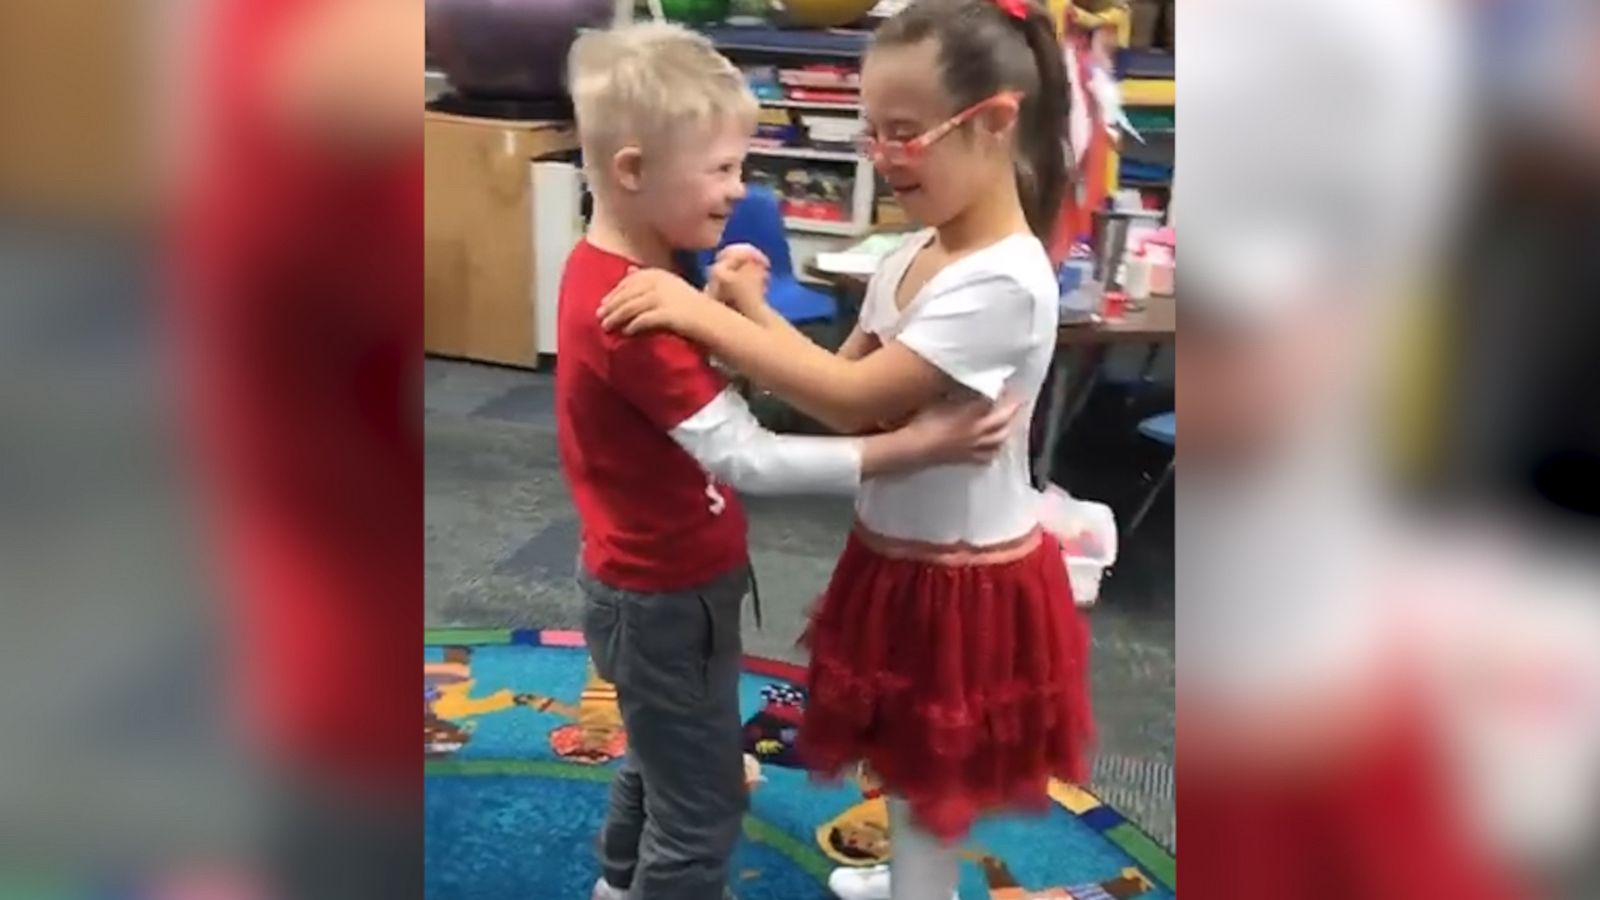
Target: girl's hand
x,y
968,432
651,300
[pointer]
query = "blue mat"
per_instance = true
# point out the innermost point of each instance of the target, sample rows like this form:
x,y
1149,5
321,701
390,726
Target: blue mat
x,y
521,740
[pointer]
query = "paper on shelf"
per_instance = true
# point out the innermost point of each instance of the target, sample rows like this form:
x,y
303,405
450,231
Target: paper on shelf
x,y
847,263
863,258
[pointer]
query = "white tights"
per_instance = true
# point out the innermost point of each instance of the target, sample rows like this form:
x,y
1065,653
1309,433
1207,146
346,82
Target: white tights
x,y
923,867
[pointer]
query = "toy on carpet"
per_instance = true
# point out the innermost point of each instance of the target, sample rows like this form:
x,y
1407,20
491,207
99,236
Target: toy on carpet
x,y
860,839
859,836
770,734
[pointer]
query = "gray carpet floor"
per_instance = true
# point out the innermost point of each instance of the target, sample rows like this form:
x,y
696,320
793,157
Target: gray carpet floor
x,y
502,536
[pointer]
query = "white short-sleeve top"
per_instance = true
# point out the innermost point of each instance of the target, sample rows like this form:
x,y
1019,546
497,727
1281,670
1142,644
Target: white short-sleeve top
x,y
988,320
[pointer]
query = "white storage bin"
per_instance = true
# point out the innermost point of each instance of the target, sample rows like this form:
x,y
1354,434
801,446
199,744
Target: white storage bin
x,y
1088,535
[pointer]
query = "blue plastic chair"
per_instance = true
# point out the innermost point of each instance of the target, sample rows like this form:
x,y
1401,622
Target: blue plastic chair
x,y
1162,429
758,221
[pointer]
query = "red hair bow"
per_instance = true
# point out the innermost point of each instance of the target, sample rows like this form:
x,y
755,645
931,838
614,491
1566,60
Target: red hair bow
x,y
1016,9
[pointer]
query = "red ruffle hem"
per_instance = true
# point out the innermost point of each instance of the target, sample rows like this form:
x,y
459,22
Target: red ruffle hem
x,y
959,675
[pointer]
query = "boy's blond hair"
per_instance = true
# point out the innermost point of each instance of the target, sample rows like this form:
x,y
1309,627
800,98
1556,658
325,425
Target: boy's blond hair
x,y
641,84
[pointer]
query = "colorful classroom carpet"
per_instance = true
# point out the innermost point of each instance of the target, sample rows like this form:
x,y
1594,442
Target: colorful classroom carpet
x,y
521,738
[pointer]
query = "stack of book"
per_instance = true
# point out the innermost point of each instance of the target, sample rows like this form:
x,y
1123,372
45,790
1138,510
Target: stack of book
x,y
821,83
775,128
831,132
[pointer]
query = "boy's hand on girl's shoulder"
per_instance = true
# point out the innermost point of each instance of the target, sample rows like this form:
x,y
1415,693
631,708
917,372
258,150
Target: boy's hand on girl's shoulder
x,y
969,432
651,300
739,278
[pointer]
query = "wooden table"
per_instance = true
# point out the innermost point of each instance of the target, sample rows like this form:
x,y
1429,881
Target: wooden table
x,y
1155,322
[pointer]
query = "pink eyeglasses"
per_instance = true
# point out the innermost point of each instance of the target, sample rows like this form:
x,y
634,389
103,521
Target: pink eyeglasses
x,y
912,149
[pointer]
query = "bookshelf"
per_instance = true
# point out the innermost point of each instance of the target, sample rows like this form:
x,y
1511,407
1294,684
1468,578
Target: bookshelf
x,y
786,54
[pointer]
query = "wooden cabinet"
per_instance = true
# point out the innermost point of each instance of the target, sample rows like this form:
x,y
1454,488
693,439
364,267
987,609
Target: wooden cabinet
x,y
74,140
481,229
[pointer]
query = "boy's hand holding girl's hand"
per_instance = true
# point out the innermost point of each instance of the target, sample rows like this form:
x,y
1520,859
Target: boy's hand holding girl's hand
x,y
655,299
740,278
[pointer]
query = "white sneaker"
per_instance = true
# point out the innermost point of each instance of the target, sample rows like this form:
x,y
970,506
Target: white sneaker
x,y
870,883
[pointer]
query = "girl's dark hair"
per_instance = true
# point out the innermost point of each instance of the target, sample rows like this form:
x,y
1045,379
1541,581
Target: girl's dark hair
x,y
984,50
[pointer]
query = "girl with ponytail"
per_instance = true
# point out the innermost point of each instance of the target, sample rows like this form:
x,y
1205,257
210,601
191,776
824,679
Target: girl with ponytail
x,y
947,653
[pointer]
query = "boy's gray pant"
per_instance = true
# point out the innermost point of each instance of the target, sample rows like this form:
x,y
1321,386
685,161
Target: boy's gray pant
x,y
678,801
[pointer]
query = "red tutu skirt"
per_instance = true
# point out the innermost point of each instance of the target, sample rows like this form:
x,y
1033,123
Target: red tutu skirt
x,y
959,675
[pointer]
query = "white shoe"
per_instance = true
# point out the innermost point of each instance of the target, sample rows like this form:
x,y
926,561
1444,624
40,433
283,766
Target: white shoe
x,y
870,883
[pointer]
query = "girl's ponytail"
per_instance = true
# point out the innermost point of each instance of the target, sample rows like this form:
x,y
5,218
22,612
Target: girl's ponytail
x,y
1042,173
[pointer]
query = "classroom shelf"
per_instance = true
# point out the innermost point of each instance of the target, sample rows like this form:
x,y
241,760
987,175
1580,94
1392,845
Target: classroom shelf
x,y
840,48
839,43
1146,63
805,153
1149,92
823,226
812,104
